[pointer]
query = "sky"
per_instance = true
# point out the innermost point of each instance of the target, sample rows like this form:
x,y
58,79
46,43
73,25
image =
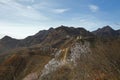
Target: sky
x,y
22,18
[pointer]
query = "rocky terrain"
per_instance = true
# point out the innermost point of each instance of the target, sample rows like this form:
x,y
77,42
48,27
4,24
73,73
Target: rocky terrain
x,y
63,53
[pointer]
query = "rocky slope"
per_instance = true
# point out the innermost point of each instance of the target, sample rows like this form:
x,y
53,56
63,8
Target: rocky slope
x,y
52,37
65,53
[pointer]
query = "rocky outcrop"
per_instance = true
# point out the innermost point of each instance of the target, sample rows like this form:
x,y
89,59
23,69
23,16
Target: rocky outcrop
x,y
66,57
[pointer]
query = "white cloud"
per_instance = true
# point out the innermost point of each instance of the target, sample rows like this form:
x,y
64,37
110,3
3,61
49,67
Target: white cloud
x,y
89,22
93,8
14,9
59,11
31,1
42,5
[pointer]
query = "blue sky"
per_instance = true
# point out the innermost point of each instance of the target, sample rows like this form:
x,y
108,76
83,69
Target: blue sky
x,y
21,18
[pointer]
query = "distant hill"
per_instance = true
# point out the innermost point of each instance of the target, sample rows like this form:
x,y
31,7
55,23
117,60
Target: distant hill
x,y
118,33
62,53
106,32
52,37
7,43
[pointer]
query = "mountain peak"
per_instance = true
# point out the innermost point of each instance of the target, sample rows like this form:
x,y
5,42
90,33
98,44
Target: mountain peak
x,y
105,32
107,28
51,28
62,27
6,38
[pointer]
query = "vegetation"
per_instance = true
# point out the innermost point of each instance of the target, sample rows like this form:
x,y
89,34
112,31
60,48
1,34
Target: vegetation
x,y
61,54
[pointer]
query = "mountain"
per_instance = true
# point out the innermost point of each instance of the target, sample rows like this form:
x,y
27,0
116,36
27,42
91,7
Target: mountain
x,y
35,39
106,32
52,37
118,33
46,36
7,43
63,53
8,40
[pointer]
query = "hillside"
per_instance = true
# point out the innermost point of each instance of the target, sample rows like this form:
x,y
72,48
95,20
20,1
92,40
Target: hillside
x,y
106,32
7,43
63,53
51,37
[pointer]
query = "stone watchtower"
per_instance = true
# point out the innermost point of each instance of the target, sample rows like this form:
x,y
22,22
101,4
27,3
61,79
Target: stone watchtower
x,y
79,37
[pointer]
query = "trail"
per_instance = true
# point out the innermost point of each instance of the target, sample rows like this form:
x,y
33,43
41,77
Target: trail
x,y
65,55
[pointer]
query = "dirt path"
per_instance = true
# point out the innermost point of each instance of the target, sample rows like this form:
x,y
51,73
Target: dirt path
x,y
65,55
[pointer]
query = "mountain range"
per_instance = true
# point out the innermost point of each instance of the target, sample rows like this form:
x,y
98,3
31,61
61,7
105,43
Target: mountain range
x,y
50,37
62,53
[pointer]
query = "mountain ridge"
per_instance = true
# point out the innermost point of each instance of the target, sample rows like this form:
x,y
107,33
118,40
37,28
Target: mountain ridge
x,y
46,36
63,53
51,35
106,32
